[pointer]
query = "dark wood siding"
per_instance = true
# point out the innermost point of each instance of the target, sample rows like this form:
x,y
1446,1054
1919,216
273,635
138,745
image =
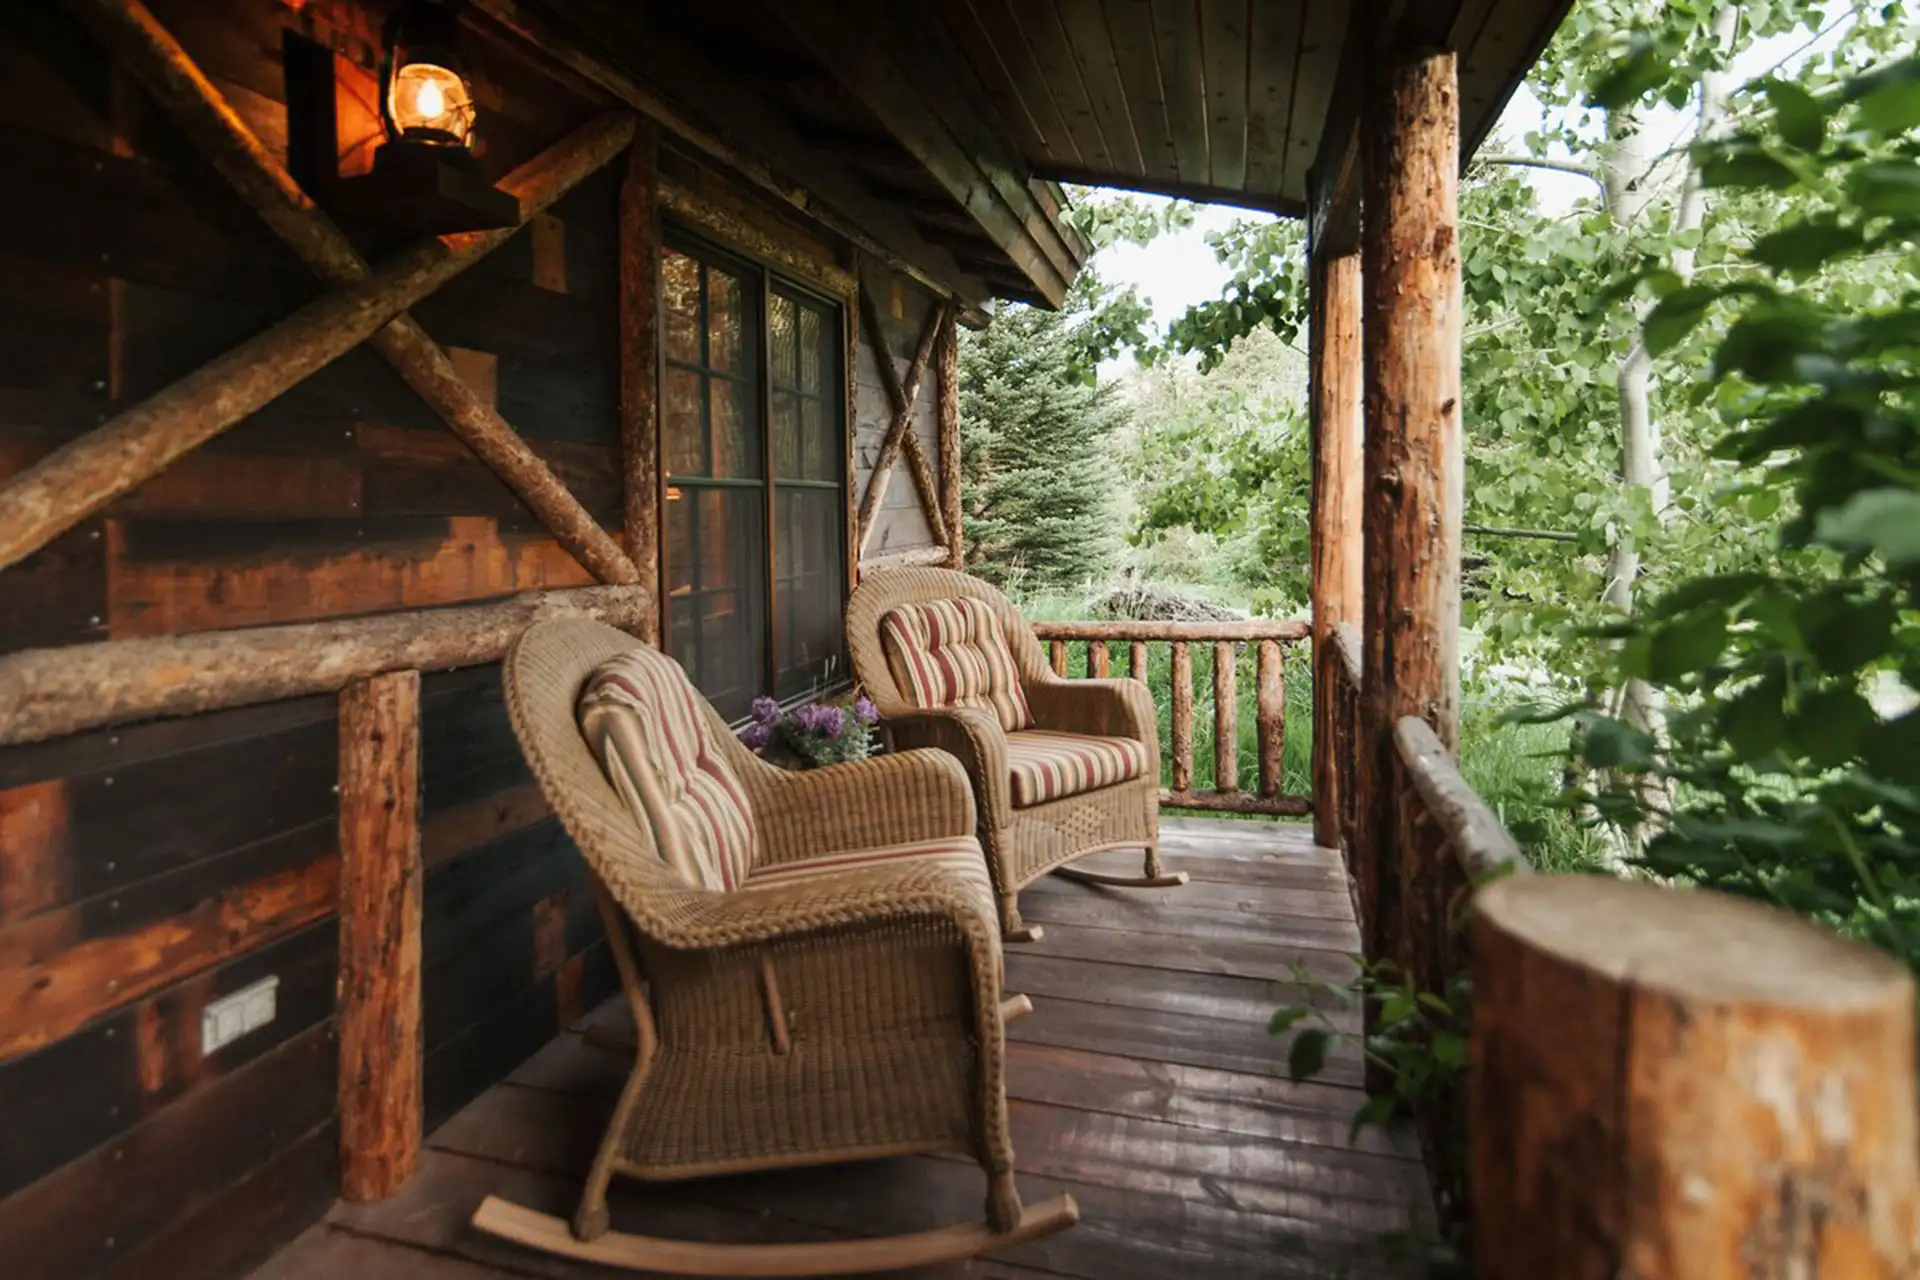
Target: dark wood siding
x,y
147,870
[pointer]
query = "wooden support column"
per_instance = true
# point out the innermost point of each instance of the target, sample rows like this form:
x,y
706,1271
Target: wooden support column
x,y
1338,546
381,1100
1681,1085
947,367
1411,305
640,355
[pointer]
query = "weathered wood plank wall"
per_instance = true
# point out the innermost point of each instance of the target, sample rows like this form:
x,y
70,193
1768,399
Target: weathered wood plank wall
x,y
147,870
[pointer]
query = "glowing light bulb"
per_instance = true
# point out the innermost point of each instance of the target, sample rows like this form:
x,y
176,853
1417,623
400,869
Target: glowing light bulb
x,y
431,102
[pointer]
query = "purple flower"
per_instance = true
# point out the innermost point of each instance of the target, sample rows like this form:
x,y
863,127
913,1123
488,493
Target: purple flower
x,y
766,711
865,712
821,721
756,735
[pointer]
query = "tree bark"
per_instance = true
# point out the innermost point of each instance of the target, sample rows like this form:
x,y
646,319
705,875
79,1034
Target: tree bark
x,y
1338,545
381,1101
947,367
1410,138
48,693
1680,1085
640,355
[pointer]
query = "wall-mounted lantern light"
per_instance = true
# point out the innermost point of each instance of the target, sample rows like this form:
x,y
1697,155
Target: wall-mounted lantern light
x,y
425,175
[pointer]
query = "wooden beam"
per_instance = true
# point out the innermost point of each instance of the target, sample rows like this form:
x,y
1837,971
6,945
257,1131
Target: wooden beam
x,y
76,480
1333,180
930,119
1338,544
382,1106
902,392
47,693
158,61
818,185
947,388
723,224
1413,468
1676,1084
640,476
1200,192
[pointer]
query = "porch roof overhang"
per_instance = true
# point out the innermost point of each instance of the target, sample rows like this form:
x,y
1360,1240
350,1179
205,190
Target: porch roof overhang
x,y
940,129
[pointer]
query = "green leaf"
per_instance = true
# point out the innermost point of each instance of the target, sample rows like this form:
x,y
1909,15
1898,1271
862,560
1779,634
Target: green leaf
x,y
1309,1054
1798,115
1845,633
1806,246
1891,105
1755,724
1885,522
1888,187
1675,316
1611,744
1284,1020
1746,166
1376,1112
1689,644
1828,725
1450,1050
1643,68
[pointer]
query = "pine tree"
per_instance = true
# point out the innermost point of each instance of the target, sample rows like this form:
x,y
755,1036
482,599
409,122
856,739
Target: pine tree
x,y
1036,431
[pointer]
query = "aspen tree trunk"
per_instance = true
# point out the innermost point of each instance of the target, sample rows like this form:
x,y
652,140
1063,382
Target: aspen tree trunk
x,y
1626,177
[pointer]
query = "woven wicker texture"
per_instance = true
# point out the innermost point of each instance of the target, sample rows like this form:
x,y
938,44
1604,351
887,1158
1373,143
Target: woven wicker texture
x,y
1021,844
807,1017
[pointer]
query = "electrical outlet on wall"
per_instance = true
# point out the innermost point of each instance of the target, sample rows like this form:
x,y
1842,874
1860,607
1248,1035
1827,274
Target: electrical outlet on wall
x,y
231,1016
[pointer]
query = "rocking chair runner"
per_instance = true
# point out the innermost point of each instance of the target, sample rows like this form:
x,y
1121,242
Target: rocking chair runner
x,y
1060,768
840,1000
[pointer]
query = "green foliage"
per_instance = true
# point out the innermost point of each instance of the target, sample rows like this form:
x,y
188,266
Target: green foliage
x,y
1419,1049
1035,439
1794,741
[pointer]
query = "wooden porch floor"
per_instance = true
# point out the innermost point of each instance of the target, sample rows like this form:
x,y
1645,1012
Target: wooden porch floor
x,y
1144,1083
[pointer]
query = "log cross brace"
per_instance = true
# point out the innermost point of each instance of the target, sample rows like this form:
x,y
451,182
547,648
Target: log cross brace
x,y
902,392
70,484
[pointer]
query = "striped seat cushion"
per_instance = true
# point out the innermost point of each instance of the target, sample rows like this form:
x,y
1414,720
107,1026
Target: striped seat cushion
x,y
1047,765
661,752
954,653
959,855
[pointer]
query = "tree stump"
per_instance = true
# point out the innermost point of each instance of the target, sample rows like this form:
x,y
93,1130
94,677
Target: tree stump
x,y
1675,1085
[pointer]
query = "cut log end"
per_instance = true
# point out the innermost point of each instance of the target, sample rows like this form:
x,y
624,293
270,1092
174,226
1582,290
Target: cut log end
x,y
1693,946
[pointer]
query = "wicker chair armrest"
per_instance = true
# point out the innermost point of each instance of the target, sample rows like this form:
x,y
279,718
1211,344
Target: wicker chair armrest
x,y
973,737
759,914
866,804
1118,708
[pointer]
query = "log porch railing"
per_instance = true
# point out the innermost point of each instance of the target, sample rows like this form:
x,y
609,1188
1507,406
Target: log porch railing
x,y
1269,640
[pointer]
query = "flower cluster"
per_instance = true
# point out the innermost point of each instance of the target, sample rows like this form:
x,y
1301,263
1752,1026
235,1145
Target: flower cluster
x,y
816,733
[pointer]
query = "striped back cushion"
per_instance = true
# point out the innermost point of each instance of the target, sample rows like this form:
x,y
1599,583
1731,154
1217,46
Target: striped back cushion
x,y
953,653
642,717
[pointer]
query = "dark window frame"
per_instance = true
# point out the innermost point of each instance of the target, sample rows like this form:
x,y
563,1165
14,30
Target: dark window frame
x,y
761,282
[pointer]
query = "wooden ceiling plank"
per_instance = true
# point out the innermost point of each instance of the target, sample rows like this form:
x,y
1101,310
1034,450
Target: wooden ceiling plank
x,y
1131,28
1322,33
858,42
1000,30
1198,192
1084,23
1176,41
828,189
1223,51
1039,23
1274,68
1514,34
994,68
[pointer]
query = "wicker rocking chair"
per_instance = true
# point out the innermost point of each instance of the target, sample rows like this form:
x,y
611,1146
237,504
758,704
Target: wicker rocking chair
x,y
1060,768
832,994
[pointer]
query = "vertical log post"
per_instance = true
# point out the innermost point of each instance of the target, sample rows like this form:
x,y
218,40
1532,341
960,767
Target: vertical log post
x,y
1226,720
381,1101
1057,656
1180,717
947,373
1410,152
640,356
1270,720
1337,544
1137,660
1097,662
1681,1085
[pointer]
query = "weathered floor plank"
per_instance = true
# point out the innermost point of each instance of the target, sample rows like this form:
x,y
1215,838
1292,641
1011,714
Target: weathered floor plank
x,y
1144,1083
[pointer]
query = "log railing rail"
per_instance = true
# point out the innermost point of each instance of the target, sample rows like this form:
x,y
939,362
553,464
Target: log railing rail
x,y
1266,638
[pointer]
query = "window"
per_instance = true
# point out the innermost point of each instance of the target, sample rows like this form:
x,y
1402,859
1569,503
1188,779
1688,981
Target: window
x,y
753,439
